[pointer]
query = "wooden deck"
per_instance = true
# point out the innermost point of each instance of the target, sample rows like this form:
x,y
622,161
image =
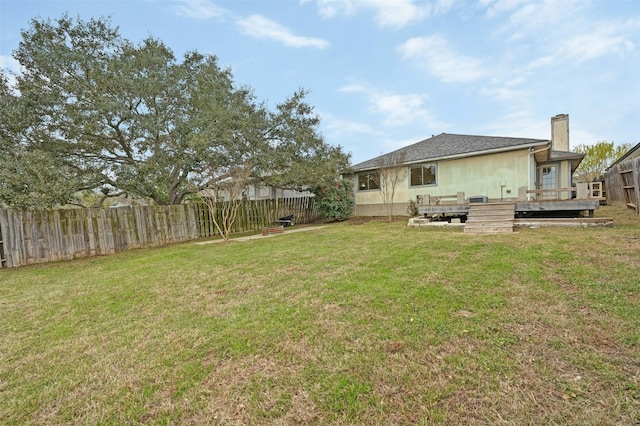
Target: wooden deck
x,y
530,202
532,207
522,208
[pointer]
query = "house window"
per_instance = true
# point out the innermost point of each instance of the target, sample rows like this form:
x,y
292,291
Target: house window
x,y
548,179
368,181
424,174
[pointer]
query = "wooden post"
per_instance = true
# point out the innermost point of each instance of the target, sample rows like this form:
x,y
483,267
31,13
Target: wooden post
x,y
3,240
582,190
522,193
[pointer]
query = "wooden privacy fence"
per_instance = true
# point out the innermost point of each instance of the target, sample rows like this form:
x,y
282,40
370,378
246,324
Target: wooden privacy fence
x,y
622,184
39,236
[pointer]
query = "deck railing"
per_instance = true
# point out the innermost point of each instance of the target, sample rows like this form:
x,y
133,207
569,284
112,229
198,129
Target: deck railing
x,y
582,191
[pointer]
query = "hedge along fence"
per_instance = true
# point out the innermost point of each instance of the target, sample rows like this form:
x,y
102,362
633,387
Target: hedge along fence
x,y
39,236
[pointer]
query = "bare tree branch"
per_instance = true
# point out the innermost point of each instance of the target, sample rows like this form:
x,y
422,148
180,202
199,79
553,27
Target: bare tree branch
x,y
391,171
223,196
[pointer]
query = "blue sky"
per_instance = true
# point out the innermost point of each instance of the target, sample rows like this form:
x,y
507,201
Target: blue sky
x,y
387,73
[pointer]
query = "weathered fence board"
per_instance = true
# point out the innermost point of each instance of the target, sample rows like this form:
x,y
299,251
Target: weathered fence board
x,y
3,223
622,184
38,236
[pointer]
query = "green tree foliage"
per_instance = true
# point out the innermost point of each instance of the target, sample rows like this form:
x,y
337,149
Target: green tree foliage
x,y
92,110
597,158
335,201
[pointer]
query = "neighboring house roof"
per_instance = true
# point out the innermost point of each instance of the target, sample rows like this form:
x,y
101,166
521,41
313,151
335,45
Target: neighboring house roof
x,y
449,146
632,153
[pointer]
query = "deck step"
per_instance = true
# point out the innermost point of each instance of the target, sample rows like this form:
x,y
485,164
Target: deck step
x,y
490,218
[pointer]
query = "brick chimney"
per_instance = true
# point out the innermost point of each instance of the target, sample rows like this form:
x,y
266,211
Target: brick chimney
x,y
560,132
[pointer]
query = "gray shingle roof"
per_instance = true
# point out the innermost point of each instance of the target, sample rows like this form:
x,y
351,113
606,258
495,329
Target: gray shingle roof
x,y
451,146
566,155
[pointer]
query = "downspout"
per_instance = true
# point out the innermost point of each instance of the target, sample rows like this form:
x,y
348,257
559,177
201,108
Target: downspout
x,y
531,159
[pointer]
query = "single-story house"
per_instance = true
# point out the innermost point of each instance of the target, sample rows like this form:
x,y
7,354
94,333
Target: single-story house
x,y
494,168
256,191
265,192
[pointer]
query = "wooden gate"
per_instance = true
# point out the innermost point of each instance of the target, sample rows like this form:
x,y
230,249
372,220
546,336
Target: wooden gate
x,y
629,188
622,183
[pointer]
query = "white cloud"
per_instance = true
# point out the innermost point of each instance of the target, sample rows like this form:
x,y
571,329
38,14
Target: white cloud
x,y
542,62
538,14
351,88
397,110
400,110
498,7
254,25
439,58
261,27
520,121
395,144
341,128
443,6
506,94
201,9
547,37
397,14
528,20
8,63
602,41
394,14
610,39
330,8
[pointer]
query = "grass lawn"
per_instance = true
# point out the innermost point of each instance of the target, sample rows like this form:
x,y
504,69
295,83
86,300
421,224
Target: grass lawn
x,y
355,323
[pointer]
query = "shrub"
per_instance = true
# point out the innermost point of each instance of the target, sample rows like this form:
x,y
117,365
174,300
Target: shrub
x,y
412,208
335,201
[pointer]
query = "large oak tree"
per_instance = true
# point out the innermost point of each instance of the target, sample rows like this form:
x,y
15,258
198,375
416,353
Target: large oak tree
x,y
91,110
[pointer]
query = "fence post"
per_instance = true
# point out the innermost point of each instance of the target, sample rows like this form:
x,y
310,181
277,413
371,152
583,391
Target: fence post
x,y
3,231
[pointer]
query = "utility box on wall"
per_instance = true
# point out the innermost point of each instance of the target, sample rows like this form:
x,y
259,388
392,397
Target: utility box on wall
x,y
479,199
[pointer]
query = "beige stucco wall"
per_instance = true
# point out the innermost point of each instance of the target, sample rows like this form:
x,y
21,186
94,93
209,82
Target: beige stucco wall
x,y
399,209
565,177
480,175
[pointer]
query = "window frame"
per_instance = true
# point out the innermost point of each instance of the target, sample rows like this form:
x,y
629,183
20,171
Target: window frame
x,y
550,180
431,165
369,176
